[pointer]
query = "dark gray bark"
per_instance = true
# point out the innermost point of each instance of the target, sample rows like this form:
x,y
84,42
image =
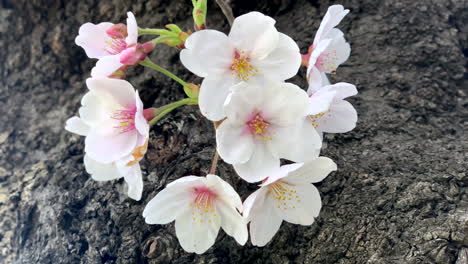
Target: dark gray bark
x,y
399,196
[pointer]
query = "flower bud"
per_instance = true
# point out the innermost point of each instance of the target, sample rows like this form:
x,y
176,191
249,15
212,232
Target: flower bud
x,y
199,14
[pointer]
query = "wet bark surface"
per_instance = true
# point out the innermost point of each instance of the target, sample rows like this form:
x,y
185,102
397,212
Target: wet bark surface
x,y
400,194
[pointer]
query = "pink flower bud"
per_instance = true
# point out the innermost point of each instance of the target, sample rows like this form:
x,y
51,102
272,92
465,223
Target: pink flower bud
x,y
134,54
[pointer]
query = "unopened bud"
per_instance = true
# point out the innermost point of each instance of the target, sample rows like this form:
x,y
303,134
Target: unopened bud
x,y
118,31
199,14
135,54
150,113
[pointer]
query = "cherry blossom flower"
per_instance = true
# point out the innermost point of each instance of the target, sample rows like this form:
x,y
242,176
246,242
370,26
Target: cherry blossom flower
x,y
265,122
114,45
286,195
199,206
329,48
328,111
111,118
254,50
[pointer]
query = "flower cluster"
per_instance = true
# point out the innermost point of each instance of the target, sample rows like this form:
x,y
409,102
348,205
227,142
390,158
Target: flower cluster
x,y
261,121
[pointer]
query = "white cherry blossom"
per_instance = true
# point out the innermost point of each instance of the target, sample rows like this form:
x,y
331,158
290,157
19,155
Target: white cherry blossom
x,y
111,119
328,111
265,122
199,206
253,50
329,48
286,195
108,42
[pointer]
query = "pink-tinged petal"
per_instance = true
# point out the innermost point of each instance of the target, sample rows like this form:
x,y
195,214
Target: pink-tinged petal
x,y
306,145
255,34
207,53
168,205
332,18
265,222
106,66
341,118
234,143
140,122
283,172
93,39
251,96
132,29
320,101
262,163
213,94
225,190
115,90
303,205
77,126
336,53
196,230
312,171
342,90
232,222
101,171
134,180
283,62
104,145
317,51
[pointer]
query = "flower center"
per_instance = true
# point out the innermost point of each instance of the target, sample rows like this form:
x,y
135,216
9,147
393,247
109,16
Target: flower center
x,y
203,204
115,46
126,119
241,66
327,61
259,127
285,195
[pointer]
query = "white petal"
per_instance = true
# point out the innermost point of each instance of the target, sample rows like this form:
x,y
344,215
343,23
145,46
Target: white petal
x,y
283,62
213,94
265,222
281,173
225,190
251,204
169,203
343,90
116,90
197,231
134,180
234,143
320,101
77,126
302,206
312,171
94,111
106,66
341,118
92,38
132,29
278,108
336,53
318,50
106,147
207,52
332,18
232,222
255,34
245,99
141,124
306,146
261,165
191,180
315,78
101,171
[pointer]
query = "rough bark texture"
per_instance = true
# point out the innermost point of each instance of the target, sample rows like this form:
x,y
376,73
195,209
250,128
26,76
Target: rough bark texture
x,y
400,194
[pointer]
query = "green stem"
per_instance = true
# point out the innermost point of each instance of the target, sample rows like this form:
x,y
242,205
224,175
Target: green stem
x,y
148,63
169,107
151,31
